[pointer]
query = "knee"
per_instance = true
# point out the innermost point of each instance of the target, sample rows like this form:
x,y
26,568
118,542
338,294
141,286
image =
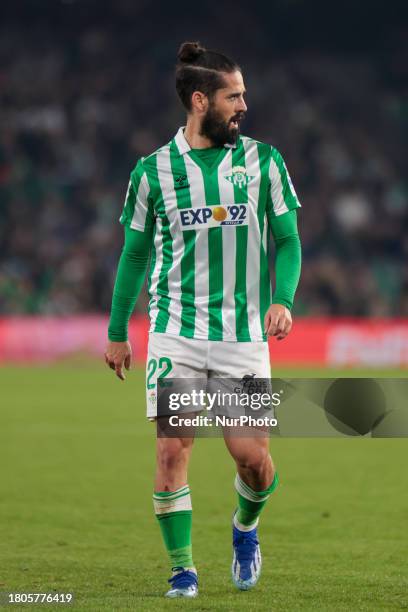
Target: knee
x,y
171,454
256,461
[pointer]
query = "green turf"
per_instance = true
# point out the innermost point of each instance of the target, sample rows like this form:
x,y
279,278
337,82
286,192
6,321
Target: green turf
x,y
77,461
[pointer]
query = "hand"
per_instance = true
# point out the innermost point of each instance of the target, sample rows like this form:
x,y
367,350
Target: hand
x,y
118,354
278,321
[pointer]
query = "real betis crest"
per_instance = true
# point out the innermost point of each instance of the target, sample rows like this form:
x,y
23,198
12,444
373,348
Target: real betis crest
x,y
239,177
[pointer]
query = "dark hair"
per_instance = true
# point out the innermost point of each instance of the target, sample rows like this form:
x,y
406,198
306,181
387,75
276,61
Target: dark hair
x,y
199,69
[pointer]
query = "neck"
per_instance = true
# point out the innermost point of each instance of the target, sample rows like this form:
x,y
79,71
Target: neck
x,y
193,136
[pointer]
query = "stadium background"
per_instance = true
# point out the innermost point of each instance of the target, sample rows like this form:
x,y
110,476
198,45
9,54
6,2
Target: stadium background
x,y
86,88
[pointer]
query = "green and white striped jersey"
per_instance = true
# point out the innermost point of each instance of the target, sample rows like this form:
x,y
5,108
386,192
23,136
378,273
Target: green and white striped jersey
x,y
209,276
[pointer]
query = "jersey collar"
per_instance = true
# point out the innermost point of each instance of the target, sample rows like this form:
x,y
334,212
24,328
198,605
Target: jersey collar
x,y
183,146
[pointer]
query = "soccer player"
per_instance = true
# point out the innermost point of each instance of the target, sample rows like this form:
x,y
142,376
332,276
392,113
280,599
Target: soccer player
x,y
201,207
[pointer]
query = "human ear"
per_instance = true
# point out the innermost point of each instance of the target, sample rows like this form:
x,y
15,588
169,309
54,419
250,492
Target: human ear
x,y
199,101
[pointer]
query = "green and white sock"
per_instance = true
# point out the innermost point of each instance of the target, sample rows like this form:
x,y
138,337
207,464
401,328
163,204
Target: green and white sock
x,y
174,513
250,503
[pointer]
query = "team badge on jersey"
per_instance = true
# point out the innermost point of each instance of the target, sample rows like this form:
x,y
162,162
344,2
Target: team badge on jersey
x,y
213,216
239,177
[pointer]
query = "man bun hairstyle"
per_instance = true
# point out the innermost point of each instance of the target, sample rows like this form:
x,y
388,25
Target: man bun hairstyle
x,y
189,52
200,69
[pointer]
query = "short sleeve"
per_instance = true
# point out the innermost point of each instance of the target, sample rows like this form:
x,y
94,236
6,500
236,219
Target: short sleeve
x,y
138,209
282,192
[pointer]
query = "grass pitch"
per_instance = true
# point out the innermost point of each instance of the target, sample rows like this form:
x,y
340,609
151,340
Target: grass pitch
x,y
77,462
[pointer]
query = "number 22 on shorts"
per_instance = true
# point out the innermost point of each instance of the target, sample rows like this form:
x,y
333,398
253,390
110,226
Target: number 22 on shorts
x,y
163,365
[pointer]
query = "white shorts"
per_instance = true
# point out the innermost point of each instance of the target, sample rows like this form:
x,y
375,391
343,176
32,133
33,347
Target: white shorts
x,y
178,357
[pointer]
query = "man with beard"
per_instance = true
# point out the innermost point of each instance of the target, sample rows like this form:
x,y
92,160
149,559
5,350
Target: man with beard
x,y
203,206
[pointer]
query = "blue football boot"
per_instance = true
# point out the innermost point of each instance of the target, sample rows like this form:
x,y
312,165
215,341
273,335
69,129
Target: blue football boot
x,y
247,560
183,584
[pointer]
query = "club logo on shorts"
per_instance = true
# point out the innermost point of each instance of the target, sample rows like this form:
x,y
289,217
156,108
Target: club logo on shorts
x,y
213,216
239,177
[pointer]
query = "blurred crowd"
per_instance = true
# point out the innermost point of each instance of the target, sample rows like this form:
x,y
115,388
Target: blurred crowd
x,y
76,116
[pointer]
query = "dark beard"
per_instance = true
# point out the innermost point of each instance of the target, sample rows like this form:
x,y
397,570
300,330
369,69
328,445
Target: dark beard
x,y
216,129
